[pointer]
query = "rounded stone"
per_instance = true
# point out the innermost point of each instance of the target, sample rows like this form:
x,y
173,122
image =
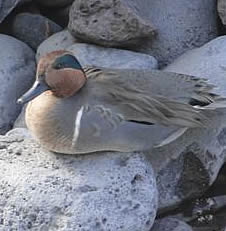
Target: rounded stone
x,y
46,191
36,31
92,55
17,72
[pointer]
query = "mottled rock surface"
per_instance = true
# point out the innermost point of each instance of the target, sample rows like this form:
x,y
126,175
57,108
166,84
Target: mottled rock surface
x,y
109,22
17,72
46,191
36,31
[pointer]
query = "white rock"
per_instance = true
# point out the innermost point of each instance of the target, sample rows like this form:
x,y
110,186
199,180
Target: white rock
x,y
58,41
17,72
110,57
46,191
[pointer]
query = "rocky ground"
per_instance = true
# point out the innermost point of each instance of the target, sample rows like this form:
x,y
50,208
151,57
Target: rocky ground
x,y
178,187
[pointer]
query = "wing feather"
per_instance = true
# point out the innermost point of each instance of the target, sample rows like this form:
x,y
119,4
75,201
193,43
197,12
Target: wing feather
x,y
153,96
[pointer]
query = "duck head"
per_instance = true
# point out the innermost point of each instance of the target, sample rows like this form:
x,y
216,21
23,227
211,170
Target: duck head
x,y
58,72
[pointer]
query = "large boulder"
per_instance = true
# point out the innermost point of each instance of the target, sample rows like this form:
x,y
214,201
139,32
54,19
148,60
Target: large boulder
x,y
109,22
181,25
40,190
17,72
98,56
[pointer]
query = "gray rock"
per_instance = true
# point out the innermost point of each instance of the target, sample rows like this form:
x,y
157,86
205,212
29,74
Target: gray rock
x,y
188,166
208,61
55,3
36,31
58,41
17,72
170,224
92,55
46,191
221,8
181,26
109,22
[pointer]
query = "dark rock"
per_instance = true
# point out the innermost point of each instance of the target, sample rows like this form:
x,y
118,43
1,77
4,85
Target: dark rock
x,y
36,31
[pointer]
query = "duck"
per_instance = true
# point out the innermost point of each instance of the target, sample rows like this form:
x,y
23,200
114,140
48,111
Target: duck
x,y
73,109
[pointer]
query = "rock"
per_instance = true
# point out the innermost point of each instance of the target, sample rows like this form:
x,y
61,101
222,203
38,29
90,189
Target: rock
x,y
55,3
6,6
170,224
92,55
41,190
36,31
207,61
115,23
210,214
188,166
221,8
58,41
181,26
17,72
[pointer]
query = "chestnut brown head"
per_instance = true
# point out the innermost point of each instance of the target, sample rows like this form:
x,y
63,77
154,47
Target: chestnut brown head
x,y
59,72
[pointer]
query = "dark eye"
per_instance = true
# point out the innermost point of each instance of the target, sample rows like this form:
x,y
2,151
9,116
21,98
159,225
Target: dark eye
x,y
59,66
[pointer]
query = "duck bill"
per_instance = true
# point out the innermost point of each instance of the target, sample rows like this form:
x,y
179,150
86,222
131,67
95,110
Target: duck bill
x,y
38,88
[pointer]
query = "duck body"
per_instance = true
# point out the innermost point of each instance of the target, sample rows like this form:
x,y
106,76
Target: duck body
x,y
114,110
95,131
